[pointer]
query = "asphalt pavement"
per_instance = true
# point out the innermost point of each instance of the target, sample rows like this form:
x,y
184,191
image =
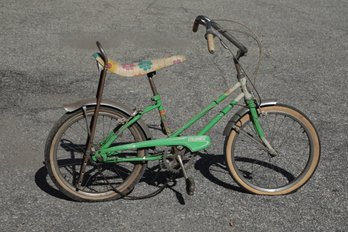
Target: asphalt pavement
x,y
46,49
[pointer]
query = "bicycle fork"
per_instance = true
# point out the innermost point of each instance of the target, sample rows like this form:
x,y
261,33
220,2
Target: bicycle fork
x,y
241,76
257,126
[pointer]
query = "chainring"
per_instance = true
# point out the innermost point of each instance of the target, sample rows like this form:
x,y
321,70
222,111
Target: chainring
x,y
171,163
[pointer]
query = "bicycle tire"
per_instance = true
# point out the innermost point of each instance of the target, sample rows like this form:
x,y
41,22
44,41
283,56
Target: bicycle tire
x,y
64,149
255,169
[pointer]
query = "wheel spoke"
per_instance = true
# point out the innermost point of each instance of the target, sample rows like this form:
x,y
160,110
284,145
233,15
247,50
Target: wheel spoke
x,y
251,138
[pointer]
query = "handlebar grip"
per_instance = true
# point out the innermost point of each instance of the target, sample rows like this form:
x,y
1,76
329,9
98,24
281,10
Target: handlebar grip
x,y
195,26
211,44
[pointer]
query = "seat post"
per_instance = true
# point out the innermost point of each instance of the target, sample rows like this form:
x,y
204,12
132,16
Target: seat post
x,y
152,83
164,122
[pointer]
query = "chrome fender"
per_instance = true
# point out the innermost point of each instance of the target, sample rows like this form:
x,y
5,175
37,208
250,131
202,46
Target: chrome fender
x,y
71,107
235,118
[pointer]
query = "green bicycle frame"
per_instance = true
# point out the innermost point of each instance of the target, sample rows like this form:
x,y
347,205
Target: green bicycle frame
x,y
108,153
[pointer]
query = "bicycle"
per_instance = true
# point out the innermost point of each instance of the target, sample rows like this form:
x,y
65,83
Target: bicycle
x,y
99,149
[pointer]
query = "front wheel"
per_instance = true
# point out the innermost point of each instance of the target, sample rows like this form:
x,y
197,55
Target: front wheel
x,y
297,146
66,145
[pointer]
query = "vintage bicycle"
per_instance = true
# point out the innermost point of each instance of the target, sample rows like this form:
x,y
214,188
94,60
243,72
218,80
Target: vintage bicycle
x,y
99,149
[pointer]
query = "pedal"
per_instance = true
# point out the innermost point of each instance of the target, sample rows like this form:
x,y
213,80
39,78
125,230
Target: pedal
x,y
190,186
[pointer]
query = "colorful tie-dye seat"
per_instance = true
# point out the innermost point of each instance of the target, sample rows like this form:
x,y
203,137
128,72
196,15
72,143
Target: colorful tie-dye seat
x,y
139,68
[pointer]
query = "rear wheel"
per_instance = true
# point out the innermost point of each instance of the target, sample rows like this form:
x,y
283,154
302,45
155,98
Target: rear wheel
x,y
295,140
66,145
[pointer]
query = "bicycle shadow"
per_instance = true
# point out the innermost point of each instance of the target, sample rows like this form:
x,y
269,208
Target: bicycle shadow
x,y
213,167
154,180
41,180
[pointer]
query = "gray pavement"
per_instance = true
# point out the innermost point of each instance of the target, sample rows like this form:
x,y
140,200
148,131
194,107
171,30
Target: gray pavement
x,y
46,49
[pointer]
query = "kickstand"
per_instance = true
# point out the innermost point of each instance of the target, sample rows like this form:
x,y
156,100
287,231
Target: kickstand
x,y
190,183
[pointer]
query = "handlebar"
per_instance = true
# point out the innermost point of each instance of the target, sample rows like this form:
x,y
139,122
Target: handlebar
x,y
210,25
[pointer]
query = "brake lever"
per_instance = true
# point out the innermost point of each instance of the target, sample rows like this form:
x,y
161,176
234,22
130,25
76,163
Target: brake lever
x,y
218,35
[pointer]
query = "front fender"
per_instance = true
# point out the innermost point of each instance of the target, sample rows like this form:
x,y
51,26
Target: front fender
x,y
235,118
71,107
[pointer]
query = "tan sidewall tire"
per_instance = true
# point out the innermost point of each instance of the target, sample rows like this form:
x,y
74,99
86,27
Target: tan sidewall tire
x,y
316,151
69,190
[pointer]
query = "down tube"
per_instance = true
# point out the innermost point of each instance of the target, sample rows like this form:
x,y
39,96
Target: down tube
x,y
222,113
196,118
207,109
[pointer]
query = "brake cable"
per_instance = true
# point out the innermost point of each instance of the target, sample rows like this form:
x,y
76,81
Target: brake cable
x,y
223,44
251,33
